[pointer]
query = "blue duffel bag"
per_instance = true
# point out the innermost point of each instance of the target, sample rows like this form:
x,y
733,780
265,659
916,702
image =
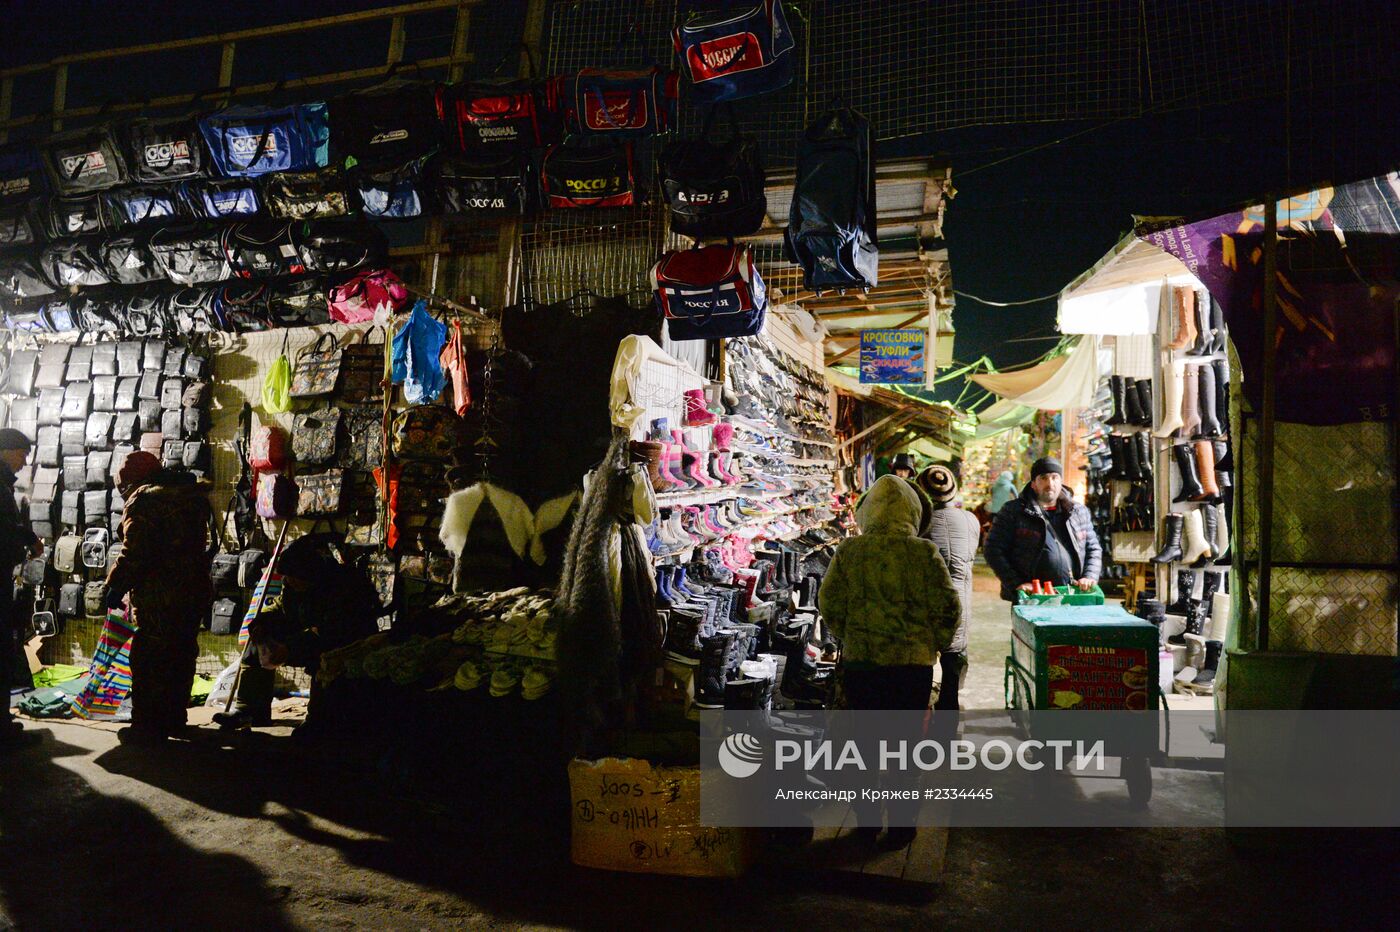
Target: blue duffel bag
x,y
246,141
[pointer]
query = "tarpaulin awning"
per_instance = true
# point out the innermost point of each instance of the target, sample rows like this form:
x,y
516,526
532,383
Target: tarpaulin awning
x,y
1067,381
1338,284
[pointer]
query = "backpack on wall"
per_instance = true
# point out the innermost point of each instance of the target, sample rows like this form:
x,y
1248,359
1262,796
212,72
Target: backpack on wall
x,y
248,141
595,176
710,293
831,230
714,187
729,57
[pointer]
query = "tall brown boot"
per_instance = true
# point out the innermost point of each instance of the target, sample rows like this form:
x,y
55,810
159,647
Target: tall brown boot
x,y
1184,308
1205,465
649,452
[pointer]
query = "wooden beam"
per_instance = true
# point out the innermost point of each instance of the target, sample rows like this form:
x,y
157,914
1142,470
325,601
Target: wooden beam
x,y
225,65
396,40
873,427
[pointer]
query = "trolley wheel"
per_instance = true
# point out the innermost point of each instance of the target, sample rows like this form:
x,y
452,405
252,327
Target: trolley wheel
x,y
1139,776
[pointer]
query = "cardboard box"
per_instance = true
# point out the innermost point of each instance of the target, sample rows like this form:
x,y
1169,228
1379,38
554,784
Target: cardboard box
x,y
629,815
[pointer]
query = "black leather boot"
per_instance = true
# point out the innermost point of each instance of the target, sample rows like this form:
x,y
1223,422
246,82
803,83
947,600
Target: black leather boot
x,y
1185,454
1185,584
1144,393
1144,453
1222,394
1116,447
1132,402
1217,326
1171,540
1115,387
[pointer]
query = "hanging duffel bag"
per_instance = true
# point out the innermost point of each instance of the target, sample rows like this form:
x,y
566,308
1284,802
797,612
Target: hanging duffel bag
x,y
190,255
386,125
127,260
297,303
729,56
369,293
831,231
164,149
73,216
58,316
247,141
242,307
27,319
99,311
22,276
22,176
594,176
714,187
131,205
391,193
147,315
619,104
262,249
192,310
484,117
19,225
710,293
307,195
85,160
330,247
499,182
223,198
72,263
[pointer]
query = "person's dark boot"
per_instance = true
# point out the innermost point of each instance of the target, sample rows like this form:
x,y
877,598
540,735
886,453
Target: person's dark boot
x,y
1116,388
1185,455
1185,585
1132,468
147,736
1206,397
1144,392
1210,585
1196,619
1132,402
1120,458
1143,446
252,705
713,673
1205,678
1171,540
1205,336
744,693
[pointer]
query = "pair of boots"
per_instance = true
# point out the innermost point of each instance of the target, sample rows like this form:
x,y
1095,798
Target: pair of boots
x,y
1132,401
1186,586
1132,456
1199,322
1196,538
1202,475
1197,399
1199,676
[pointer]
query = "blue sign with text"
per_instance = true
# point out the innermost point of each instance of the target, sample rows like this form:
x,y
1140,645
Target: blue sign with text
x,y
892,357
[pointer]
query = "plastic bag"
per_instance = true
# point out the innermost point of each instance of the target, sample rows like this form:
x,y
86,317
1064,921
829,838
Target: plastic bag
x,y
277,386
223,685
417,361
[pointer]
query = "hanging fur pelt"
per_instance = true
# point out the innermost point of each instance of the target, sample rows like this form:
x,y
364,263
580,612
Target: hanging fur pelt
x,y
589,645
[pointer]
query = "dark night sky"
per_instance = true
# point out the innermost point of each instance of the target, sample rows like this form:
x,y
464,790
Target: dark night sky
x,y
1016,230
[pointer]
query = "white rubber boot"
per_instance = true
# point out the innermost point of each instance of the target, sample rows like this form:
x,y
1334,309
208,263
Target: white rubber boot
x,y
1222,533
1174,384
1219,617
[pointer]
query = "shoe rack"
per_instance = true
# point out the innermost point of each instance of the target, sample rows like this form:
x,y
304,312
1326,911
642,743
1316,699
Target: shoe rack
x,y
1127,466
1194,483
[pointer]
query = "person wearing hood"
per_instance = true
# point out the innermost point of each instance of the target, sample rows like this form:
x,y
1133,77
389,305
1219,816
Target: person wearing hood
x,y
902,465
1003,491
888,597
163,572
1044,534
956,534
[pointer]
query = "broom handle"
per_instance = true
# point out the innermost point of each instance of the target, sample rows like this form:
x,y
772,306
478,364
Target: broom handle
x,y
262,584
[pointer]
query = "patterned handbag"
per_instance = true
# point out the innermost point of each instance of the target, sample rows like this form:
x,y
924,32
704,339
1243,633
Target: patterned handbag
x,y
318,368
425,432
314,435
364,432
362,369
320,493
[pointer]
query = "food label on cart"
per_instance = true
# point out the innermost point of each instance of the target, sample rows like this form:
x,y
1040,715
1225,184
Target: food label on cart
x,y
1081,677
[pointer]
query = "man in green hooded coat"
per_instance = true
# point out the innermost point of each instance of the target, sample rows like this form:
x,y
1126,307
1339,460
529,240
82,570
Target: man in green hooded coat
x,y
889,597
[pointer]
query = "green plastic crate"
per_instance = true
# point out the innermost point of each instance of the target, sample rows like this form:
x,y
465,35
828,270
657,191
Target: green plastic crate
x,y
1064,595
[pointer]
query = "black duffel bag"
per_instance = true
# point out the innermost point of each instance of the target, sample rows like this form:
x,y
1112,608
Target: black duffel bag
x,y
127,260
22,276
193,310
165,149
223,198
386,125
85,160
242,306
484,185
135,204
19,226
332,247
73,216
69,263
308,195
190,255
589,176
393,193
298,303
148,311
99,311
261,249
714,187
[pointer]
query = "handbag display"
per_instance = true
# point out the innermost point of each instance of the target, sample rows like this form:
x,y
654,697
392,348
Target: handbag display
x,y
19,226
77,397
129,358
196,394
172,393
126,393
364,432
427,432
575,176
164,150
70,600
192,310
308,195
260,250
367,294
320,493
710,293
35,571
133,205
488,183
58,316
24,415
74,216
338,246
50,407
98,312
730,56
172,453
70,507
21,277
126,427
72,442
223,571
53,366
362,371
383,572
317,368
248,141
192,422
242,306
22,175
223,198
47,447
277,496
251,563
393,193
190,255
152,442
223,617
171,424
714,187
95,599
314,435
485,117
297,303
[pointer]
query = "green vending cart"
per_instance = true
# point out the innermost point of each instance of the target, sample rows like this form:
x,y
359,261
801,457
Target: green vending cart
x,y
1086,657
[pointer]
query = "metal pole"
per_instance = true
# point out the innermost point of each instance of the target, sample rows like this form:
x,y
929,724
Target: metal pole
x,y
1266,424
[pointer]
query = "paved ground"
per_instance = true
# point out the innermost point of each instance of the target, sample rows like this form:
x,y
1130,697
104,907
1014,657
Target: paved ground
x,y
202,835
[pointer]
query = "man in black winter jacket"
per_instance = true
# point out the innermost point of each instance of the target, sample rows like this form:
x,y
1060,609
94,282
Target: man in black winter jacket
x,y
17,541
1044,534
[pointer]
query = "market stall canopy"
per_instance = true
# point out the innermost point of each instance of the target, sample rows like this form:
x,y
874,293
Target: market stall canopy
x,y
1338,288
915,287
1119,294
1000,417
1067,381
899,421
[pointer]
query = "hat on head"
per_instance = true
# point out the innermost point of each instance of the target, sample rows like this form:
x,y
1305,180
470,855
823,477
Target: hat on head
x,y
902,461
139,467
939,484
1046,464
11,439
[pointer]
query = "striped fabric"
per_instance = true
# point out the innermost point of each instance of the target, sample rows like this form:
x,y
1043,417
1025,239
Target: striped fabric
x,y
269,587
110,681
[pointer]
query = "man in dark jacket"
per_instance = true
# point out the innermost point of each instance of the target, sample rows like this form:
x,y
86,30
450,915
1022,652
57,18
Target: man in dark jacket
x,y
1044,534
324,605
164,566
17,541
